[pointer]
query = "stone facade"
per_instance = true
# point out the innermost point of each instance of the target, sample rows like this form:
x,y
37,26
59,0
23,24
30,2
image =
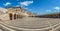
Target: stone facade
x,y
17,12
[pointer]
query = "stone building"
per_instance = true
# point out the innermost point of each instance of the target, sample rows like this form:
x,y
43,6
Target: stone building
x,y
31,14
3,14
16,12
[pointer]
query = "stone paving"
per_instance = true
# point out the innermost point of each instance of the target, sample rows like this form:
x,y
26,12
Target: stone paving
x,y
33,23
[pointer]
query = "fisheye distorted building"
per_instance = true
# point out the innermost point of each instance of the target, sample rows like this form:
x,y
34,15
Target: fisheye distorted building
x,y
17,12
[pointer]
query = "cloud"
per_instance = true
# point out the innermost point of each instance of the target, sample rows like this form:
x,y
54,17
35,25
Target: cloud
x,y
26,8
26,3
48,10
57,8
8,3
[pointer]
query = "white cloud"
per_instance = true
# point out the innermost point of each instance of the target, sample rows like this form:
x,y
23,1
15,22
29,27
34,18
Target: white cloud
x,y
26,8
57,8
26,3
48,10
8,3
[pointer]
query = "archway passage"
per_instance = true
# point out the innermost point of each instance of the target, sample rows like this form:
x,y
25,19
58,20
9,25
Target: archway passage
x,y
15,16
10,16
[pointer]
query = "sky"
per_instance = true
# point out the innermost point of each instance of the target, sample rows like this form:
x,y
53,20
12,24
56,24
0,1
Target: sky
x,y
36,6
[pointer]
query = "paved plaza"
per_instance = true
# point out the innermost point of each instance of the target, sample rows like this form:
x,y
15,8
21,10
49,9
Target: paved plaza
x,y
33,23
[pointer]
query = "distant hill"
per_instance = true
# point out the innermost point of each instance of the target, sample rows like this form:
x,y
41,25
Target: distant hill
x,y
53,15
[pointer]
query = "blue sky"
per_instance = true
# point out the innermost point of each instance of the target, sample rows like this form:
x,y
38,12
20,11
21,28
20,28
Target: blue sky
x,y
35,6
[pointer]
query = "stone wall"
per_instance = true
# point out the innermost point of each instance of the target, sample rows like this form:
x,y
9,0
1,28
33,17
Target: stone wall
x,y
4,17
